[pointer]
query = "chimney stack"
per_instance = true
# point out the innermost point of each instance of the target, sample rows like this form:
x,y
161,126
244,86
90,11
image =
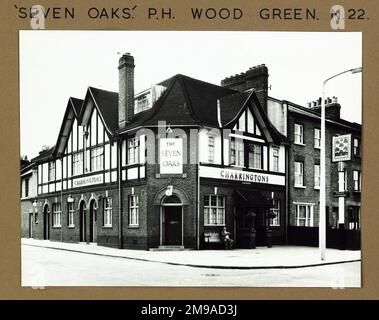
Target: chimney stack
x,y
332,108
126,90
256,77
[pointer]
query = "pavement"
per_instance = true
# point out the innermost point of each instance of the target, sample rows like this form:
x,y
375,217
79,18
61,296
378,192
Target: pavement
x,y
277,257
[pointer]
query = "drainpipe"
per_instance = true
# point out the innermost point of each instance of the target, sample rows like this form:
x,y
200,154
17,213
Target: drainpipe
x,y
119,177
61,199
198,194
287,194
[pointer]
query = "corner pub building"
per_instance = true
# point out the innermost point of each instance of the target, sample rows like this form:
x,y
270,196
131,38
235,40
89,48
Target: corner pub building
x,y
168,167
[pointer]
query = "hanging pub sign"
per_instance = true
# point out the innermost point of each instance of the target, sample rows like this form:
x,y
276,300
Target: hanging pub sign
x,y
341,148
171,156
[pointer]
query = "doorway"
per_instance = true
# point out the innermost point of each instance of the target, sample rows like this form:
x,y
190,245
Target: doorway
x,y
31,225
82,222
171,221
246,220
172,225
92,222
46,223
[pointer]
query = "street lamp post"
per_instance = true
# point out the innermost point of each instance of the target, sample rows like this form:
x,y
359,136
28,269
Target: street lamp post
x,y
322,215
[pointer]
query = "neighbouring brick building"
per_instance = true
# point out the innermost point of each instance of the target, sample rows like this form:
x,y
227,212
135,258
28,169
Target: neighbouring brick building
x,y
174,164
28,192
302,127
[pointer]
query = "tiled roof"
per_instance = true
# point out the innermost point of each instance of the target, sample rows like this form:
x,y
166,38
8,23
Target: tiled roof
x,y
186,101
77,104
44,155
107,101
231,105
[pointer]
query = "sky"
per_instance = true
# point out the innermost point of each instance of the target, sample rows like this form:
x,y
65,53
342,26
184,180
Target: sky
x,y
56,65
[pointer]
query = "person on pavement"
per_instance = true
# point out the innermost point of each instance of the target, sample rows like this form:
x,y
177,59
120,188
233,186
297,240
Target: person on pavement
x,y
225,236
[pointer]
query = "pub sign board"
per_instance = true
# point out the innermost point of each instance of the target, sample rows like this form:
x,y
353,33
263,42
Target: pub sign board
x,y
341,148
171,156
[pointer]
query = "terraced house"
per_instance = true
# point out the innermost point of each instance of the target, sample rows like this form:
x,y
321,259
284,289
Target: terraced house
x,y
171,166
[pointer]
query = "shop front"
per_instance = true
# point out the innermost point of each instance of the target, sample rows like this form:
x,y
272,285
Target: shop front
x,y
253,212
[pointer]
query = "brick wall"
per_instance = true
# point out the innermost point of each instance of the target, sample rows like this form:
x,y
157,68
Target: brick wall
x,y
311,156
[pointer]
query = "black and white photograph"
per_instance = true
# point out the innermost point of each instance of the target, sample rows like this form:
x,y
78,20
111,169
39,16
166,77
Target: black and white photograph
x,y
190,158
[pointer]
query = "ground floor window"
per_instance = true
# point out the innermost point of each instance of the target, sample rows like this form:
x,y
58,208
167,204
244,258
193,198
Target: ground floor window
x,y
36,217
70,217
107,214
214,210
133,210
57,214
304,215
275,210
354,218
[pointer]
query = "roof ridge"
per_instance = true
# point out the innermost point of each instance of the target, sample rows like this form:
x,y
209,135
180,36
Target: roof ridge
x,y
104,90
205,82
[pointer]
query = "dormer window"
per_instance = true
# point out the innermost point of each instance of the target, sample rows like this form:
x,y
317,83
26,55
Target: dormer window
x,y
146,99
141,103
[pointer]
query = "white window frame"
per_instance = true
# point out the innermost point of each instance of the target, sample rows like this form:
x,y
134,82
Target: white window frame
x,y
211,149
218,218
107,213
237,153
356,147
51,168
317,176
275,222
57,215
71,212
299,134
345,180
309,214
26,188
317,138
132,150
275,159
97,159
77,163
142,103
133,210
356,180
299,174
257,162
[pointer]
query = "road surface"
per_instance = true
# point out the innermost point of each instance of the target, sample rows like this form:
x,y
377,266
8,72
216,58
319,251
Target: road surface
x,y
52,267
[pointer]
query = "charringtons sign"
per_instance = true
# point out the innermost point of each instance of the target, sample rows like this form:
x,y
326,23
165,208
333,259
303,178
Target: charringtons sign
x,y
243,176
171,156
82,182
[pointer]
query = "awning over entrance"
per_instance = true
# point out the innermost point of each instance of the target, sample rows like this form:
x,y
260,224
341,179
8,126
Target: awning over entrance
x,y
251,199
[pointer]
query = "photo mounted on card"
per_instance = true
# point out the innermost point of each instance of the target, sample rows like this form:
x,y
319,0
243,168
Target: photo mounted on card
x,y
190,159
